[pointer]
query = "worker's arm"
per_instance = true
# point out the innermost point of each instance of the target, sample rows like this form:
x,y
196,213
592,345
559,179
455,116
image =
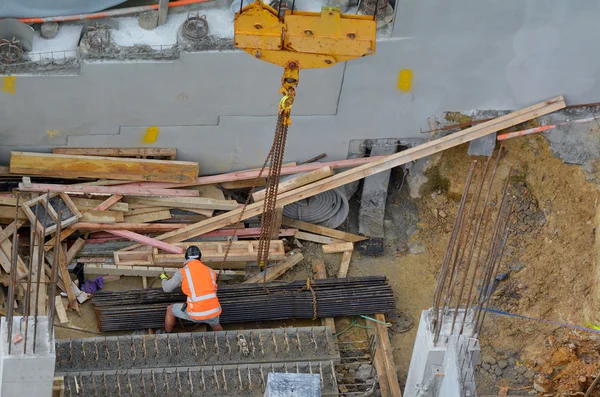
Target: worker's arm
x,y
171,284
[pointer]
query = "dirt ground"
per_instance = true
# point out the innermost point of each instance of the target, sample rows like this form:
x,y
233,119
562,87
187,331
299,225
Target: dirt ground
x,y
547,268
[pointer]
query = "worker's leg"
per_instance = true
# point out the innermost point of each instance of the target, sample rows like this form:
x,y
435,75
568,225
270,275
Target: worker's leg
x,y
169,319
174,311
214,323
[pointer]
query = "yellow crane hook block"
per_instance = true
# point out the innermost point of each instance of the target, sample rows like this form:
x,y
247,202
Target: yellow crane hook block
x,y
302,39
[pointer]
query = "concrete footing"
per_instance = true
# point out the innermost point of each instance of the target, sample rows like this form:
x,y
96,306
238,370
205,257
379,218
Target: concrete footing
x,y
444,368
23,372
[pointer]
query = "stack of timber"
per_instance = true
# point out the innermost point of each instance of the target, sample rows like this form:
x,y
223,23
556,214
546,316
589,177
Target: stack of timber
x,y
133,211
141,309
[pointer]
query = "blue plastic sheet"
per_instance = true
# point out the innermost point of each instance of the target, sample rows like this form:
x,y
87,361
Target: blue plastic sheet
x,y
52,8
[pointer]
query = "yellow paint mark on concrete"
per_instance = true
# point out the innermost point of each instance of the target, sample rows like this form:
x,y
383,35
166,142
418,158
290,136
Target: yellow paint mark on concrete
x,y
151,135
9,84
405,80
53,133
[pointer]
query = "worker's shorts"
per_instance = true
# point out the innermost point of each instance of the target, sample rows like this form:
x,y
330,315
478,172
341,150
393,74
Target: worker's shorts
x,y
179,312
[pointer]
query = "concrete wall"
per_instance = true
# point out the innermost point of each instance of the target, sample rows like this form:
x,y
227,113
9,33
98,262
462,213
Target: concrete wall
x,y
219,107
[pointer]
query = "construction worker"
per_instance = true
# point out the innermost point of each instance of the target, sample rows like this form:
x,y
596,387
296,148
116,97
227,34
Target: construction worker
x,y
198,282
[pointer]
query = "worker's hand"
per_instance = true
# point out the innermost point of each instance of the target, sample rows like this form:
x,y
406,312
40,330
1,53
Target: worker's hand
x,y
163,276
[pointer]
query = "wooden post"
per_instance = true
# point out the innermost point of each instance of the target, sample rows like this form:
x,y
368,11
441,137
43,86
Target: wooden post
x,y
318,267
42,304
64,271
277,218
346,257
384,346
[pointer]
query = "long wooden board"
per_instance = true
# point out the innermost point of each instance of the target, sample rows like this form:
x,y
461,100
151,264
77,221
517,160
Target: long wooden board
x,y
296,182
107,190
91,204
322,230
118,152
198,203
147,241
101,216
273,272
363,171
384,345
65,165
144,271
149,217
315,238
252,174
215,252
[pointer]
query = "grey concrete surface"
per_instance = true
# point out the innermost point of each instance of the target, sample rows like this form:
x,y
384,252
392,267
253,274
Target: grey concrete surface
x,y
219,107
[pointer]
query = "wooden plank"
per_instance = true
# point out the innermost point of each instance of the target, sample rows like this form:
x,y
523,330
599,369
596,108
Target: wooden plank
x,y
296,182
8,213
61,313
374,167
277,217
253,174
322,230
90,204
118,152
383,344
214,251
139,227
147,241
345,264
125,189
133,258
336,248
64,271
66,165
273,272
9,231
244,183
74,250
379,364
149,217
63,235
315,238
102,217
109,202
198,203
142,210
143,271
320,273
41,294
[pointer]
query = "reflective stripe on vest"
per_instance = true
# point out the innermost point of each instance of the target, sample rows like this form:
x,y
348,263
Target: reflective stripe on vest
x,y
195,298
204,313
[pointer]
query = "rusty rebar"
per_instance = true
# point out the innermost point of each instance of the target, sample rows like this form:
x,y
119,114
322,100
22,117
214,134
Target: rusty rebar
x,y
53,281
40,262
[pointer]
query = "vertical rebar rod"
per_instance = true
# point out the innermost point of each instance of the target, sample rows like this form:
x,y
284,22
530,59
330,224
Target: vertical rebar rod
x,y
54,280
497,261
479,325
454,259
492,244
13,282
483,239
475,235
445,262
40,269
27,308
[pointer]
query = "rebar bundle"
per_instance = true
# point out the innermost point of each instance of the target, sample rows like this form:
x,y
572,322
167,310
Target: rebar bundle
x,y
474,253
141,309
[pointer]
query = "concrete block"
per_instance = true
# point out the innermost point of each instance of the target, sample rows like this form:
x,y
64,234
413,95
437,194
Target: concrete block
x,y
372,203
148,20
293,385
25,373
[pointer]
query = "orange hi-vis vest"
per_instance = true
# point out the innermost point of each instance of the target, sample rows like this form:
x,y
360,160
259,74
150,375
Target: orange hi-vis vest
x,y
198,283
